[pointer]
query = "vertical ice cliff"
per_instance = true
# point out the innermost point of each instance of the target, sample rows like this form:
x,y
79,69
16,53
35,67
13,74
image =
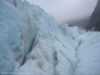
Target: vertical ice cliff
x,y
32,43
17,34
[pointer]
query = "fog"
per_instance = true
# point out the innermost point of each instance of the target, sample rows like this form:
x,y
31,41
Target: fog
x,y
67,10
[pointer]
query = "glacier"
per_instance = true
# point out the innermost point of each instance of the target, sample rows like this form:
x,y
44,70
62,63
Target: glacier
x,y
33,43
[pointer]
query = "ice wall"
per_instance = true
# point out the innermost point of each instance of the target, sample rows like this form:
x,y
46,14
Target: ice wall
x,y
31,42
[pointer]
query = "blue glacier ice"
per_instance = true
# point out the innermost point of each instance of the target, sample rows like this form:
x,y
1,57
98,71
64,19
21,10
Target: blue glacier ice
x,y
33,43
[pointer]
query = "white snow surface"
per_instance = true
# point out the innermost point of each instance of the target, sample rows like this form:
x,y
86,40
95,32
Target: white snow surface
x,y
32,43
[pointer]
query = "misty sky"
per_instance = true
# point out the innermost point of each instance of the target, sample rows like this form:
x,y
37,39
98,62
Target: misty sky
x,y
67,10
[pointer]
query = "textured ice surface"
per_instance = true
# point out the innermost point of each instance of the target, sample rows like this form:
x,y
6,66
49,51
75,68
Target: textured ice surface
x,y
32,43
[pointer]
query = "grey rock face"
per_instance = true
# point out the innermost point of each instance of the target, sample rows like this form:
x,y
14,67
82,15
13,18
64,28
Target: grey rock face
x,y
94,23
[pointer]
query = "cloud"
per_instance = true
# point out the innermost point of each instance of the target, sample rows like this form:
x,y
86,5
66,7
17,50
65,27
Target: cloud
x,y
67,10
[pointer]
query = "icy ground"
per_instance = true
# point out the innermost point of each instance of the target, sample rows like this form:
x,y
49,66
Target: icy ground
x,y
32,43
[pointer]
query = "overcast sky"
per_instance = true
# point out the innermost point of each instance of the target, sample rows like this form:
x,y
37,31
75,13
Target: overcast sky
x,y
67,10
